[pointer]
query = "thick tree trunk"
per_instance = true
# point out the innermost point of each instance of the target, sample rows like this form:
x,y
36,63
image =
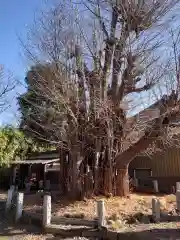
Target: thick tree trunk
x,y
108,184
63,172
73,175
95,174
122,182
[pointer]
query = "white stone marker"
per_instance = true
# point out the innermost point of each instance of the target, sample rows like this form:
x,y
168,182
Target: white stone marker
x,y
19,205
177,186
155,183
101,213
178,200
47,210
156,213
9,199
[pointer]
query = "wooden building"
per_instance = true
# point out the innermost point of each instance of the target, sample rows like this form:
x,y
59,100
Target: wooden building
x,y
42,166
164,167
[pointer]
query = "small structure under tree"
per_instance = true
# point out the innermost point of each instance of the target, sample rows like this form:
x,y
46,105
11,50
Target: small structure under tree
x,y
42,167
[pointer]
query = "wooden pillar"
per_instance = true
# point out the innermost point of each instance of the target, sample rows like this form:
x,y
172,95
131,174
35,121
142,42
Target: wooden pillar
x,y
45,177
15,172
29,170
134,173
136,182
14,167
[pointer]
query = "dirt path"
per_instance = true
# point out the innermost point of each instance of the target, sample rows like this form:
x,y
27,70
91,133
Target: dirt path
x,y
160,231
22,232
9,231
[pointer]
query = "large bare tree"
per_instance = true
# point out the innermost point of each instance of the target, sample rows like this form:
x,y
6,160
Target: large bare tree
x,y
113,52
7,84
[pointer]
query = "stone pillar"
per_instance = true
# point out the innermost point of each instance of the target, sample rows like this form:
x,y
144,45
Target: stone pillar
x,y
178,200
156,213
9,199
177,186
156,188
46,210
101,213
19,205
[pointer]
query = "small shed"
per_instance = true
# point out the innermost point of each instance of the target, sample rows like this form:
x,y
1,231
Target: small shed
x,y
43,166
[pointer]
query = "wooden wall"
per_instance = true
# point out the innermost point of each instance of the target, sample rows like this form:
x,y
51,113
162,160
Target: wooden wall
x,y
166,164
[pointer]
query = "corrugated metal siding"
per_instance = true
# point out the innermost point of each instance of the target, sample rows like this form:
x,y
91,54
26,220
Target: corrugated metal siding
x,y
167,164
162,165
141,162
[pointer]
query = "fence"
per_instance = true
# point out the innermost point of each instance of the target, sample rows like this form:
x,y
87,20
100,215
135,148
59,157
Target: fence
x,y
53,224
80,227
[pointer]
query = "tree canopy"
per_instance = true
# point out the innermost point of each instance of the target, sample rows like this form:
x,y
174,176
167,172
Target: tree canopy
x,y
38,107
15,146
113,55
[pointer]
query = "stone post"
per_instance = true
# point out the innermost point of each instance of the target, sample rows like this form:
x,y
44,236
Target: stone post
x,y
101,213
177,186
178,200
155,183
156,213
9,199
19,205
46,210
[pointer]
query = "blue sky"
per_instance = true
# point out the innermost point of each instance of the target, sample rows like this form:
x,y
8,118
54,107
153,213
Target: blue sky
x,y
15,18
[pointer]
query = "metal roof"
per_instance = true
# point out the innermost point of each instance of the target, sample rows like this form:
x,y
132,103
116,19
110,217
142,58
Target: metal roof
x,y
44,155
35,161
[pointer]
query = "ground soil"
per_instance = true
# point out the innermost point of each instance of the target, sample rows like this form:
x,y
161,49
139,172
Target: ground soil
x,y
135,203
